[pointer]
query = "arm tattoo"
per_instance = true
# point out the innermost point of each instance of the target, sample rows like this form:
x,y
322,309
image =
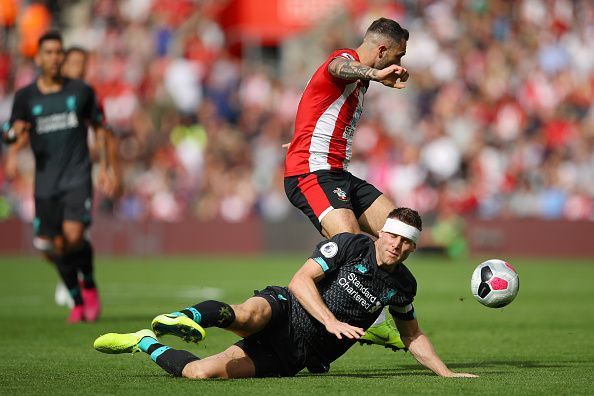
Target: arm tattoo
x,y
350,70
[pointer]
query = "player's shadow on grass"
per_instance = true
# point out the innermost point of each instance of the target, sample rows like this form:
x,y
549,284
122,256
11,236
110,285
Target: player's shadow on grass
x,y
373,373
513,363
409,370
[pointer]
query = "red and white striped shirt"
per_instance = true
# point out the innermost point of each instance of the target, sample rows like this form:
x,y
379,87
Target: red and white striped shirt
x,y
326,120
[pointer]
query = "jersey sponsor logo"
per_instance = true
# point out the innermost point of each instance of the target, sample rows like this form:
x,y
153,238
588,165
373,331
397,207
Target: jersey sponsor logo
x,y
56,122
37,110
348,133
341,194
358,292
329,249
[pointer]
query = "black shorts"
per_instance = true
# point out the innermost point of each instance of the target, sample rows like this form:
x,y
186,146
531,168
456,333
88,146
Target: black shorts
x,y
74,204
275,350
317,193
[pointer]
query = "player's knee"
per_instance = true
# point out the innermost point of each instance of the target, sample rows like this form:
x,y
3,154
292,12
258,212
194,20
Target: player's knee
x,y
242,315
332,230
74,240
197,370
339,220
247,320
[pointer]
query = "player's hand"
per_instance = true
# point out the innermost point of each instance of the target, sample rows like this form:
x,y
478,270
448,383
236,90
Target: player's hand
x,y
340,329
108,183
103,181
452,374
116,185
392,76
12,133
11,168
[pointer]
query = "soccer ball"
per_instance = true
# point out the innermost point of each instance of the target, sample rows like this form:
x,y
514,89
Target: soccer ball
x,y
494,283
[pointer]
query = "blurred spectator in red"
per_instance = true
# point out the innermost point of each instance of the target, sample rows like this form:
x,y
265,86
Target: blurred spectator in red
x,y
497,117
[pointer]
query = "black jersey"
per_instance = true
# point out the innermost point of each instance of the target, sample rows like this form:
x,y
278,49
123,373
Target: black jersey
x,y
58,135
355,290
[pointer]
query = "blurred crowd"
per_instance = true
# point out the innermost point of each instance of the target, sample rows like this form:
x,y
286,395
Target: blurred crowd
x,y
497,119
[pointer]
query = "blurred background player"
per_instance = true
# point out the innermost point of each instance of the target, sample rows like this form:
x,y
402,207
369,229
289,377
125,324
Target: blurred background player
x,y
337,293
75,63
470,141
316,178
54,113
75,68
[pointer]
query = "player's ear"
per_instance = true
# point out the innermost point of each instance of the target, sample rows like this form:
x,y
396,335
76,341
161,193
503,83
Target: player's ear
x,y
381,51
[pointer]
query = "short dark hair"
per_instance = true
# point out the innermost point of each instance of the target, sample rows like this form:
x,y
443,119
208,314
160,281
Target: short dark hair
x,y
408,216
48,36
390,28
75,48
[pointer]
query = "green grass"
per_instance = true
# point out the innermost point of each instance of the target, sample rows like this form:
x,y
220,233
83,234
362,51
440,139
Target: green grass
x,y
543,343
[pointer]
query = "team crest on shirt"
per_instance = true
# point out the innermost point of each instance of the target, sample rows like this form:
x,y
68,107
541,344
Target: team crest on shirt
x,y
361,268
341,194
37,109
71,103
329,249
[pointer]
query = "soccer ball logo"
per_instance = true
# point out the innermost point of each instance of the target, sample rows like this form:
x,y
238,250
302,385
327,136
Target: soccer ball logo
x,y
494,283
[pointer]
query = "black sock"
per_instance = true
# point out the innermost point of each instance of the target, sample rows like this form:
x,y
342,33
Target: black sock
x,y
83,260
211,313
69,276
171,360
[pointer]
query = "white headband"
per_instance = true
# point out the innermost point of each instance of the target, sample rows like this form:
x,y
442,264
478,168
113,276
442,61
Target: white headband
x,y
395,226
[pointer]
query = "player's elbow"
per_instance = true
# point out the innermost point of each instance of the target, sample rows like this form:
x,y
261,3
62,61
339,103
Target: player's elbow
x,y
294,285
297,284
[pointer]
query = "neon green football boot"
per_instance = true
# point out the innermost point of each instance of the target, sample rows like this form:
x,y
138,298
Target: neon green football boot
x,y
178,325
121,343
384,334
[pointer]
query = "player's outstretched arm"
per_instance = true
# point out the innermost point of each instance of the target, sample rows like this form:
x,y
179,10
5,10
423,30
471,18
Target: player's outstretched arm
x,y
420,347
392,76
303,287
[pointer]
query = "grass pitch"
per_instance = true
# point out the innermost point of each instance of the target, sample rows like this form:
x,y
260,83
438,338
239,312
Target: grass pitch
x,y
543,343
